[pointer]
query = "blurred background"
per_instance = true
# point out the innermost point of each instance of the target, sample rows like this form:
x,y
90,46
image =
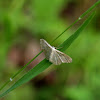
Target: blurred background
x,y
23,23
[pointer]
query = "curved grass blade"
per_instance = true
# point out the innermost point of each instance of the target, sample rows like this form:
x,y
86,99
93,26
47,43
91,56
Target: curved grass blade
x,y
45,63
20,70
69,41
85,13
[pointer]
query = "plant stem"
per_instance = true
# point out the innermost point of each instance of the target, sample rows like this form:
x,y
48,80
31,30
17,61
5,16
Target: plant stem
x,y
84,14
20,70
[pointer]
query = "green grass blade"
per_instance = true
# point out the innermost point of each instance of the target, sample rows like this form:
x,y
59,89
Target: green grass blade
x,y
69,41
45,63
20,71
85,13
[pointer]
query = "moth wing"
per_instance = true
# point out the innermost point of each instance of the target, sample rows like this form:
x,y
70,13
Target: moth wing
x,y
64,58
46,48
53,55
54,58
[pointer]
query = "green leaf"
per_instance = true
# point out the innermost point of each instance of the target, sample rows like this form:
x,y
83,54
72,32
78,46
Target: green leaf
x,y
45,63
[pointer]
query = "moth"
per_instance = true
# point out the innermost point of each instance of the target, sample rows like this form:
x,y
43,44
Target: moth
x,y
53,55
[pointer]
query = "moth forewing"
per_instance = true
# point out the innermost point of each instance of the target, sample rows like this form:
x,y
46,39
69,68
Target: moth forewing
x,y
44,44
46,48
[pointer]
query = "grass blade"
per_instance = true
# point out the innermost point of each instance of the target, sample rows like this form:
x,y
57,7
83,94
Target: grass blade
x,y
45,63
69,41
85,13
20,70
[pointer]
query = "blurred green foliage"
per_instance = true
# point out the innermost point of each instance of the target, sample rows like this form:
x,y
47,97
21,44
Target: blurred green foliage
x,y
23,20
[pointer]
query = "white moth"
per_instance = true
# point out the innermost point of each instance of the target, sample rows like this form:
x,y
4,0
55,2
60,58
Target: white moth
x,y
53,55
